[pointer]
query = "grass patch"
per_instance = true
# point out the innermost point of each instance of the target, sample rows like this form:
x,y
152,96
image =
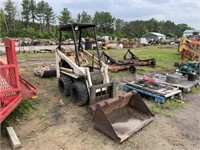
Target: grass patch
x,y
165,55
23,111
36,55
166,108
195,89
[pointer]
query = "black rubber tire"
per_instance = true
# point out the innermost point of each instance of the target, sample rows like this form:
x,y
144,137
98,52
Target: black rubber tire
x,y
153,63
64,84
79,93
132,69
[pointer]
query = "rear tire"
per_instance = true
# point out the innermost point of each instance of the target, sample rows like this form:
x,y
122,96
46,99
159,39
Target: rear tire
x,y
132,69
79,93
64,84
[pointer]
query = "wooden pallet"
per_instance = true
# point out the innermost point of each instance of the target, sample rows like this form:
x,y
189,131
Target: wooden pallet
x,y
160,95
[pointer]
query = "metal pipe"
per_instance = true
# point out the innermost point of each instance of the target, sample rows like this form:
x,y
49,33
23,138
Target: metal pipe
x,y
98,55
75,44
60,40
80,35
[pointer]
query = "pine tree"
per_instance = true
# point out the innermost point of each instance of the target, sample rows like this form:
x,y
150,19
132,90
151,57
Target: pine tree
x,y
10,13
84,17
3,20
26,11
40,13
65,17
33,8
49,17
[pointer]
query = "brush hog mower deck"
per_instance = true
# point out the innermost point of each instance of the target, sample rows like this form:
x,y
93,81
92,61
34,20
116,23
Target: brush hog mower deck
x,y
85,78
127,63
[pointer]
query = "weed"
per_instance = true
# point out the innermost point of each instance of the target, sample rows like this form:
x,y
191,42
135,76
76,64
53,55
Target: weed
x,y
195,89
30,135
131,144
42,116
165,108
22,112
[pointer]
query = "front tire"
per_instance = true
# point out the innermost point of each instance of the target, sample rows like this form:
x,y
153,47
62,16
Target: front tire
x,y
64,84
79,93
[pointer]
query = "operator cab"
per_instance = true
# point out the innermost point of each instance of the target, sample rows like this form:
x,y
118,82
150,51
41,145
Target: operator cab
x,y
74,48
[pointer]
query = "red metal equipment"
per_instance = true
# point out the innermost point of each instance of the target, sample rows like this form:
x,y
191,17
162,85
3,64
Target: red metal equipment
x,y
126,63
13,88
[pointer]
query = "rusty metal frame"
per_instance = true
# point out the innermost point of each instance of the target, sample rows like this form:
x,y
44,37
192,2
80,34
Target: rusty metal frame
x,y
103,109
115,66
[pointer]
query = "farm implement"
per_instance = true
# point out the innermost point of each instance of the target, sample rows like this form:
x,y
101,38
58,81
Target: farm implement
x,y
127,63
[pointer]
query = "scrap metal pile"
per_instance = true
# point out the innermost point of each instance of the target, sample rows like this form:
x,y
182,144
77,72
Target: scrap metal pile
x,y
163,87
129,43
45,70
160,92
189,49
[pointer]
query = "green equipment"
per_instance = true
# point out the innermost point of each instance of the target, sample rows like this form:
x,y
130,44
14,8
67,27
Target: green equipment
x,y
191,69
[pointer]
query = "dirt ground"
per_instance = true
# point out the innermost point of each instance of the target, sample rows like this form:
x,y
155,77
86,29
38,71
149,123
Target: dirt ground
x,y
57,124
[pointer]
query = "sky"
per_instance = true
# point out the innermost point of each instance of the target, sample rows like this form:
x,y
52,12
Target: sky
x,y
178,11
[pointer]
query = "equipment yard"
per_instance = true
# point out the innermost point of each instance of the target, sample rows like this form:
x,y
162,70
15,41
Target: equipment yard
x,y
53,122
82,75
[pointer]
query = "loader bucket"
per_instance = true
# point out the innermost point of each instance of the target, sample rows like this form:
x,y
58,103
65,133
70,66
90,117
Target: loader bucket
x,y
122,116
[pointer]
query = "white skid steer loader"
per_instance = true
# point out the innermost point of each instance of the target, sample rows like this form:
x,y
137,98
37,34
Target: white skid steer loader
x,y
85,78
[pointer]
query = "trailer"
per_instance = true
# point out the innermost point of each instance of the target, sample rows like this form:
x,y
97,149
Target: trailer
x,y
13,88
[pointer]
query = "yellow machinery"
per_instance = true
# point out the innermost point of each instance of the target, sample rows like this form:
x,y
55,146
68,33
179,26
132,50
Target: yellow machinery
x,y
189,49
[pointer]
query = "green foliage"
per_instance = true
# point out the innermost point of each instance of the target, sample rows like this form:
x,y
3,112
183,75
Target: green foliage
x,y
119,25
45,16
36,55
104,22
10,13
84,17
195,89
22,112
135,29
27,32
65,17
33,8
2,16
26,11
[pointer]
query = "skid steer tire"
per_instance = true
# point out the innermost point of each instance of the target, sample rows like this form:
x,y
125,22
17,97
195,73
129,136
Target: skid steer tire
x,y
79,93
64,84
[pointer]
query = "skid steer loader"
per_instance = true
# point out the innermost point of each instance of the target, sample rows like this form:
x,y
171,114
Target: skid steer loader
x,y
85,78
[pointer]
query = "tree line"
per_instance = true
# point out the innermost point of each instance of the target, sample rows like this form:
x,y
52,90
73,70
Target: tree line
x,y
39,20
